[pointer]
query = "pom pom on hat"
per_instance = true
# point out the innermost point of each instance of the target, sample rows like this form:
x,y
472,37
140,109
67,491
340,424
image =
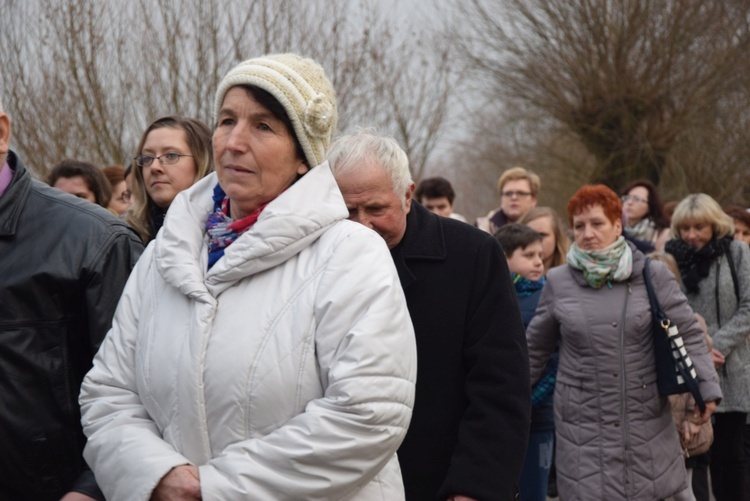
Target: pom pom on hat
x,y
300,85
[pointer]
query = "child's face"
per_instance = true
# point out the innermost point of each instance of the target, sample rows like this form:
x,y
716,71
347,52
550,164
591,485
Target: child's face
x,y
528,261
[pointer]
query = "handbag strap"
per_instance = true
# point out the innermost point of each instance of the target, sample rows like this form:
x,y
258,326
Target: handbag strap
x,y
664,321
735,281
656,309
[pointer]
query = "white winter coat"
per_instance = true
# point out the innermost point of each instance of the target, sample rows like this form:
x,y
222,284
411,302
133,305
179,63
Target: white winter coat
x,y
285,372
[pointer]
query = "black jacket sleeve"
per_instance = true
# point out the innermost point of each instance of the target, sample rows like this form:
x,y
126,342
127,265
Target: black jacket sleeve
x,y
495,427
105,280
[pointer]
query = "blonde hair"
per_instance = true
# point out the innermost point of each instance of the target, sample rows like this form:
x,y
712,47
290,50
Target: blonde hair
x,y
198,137
519,173
562,240
701,208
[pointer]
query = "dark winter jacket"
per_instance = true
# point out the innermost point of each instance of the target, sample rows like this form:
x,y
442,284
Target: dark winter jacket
x,y
63,264
470,422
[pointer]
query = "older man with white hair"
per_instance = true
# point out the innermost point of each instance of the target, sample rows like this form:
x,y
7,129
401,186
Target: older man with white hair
x,y
63,267
471,415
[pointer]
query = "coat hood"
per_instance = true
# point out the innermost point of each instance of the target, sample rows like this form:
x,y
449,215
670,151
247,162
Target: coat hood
x,y
287,225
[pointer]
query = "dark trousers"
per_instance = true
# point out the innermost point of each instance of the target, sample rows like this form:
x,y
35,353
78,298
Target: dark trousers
x,y
728,461
699,464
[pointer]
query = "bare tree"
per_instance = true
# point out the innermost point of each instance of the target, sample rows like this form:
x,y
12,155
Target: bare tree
x,y
86,77
632,80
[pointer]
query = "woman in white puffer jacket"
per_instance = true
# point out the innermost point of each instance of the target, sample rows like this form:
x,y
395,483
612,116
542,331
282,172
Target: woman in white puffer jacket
x,y
262,348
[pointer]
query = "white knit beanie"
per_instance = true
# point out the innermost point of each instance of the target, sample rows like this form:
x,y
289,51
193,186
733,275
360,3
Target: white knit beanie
x,y
302,88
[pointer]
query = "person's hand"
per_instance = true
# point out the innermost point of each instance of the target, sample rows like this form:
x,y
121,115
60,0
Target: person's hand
x,y
182,483
76,496
459,497
717,358
703,417
689,430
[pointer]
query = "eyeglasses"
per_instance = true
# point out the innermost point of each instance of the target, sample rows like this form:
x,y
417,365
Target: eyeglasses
x,y
634,198
125,197
515,194
165,159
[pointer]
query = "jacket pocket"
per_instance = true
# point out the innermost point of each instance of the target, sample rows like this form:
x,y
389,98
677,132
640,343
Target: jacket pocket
x,y
651,400
53,458
569,398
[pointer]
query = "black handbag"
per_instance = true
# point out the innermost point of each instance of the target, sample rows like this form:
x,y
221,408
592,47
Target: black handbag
x,y
674,368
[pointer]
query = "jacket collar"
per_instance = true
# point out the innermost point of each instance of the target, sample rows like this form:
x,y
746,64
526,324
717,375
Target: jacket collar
x,y
287,225
424,240
14,199
499,219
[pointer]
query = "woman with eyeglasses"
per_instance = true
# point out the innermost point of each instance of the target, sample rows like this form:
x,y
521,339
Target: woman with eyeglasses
x,y
119,202
646,221
173,154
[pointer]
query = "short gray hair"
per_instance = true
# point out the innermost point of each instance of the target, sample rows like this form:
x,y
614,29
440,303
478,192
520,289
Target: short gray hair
x,y
352,151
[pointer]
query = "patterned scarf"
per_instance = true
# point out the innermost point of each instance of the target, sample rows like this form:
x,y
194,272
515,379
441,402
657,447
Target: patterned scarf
x,y
222,229
525,287
695,264
600,267
645,230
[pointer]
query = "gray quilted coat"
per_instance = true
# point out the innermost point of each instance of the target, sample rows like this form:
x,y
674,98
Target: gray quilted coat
x,y
730,336
615,435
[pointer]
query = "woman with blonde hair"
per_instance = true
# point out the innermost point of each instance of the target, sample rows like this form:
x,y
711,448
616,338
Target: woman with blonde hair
x,y
715,271
544,220
173,154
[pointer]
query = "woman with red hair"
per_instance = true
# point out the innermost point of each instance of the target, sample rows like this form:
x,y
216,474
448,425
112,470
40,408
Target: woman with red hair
x,y
615,438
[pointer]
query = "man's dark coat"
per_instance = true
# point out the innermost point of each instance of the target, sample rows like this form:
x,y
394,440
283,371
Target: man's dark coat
x,y
63,264
471,416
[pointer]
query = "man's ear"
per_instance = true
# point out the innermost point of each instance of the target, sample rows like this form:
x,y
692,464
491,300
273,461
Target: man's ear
x,y
4,134
409,196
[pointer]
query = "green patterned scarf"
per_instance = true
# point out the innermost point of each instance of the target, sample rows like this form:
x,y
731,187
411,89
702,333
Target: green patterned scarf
x,y
645,230
603,266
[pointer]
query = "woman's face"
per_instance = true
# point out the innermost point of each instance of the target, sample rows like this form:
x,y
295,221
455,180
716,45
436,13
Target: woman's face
x,y
254,153
164,182
593,230
543,226
636,204
696,233
741,231
77,186
120,200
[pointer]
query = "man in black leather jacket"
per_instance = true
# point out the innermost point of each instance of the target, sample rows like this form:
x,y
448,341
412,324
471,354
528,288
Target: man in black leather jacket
x,y
63,265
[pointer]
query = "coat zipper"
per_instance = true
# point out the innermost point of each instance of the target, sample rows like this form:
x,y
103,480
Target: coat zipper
x,y
623,387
